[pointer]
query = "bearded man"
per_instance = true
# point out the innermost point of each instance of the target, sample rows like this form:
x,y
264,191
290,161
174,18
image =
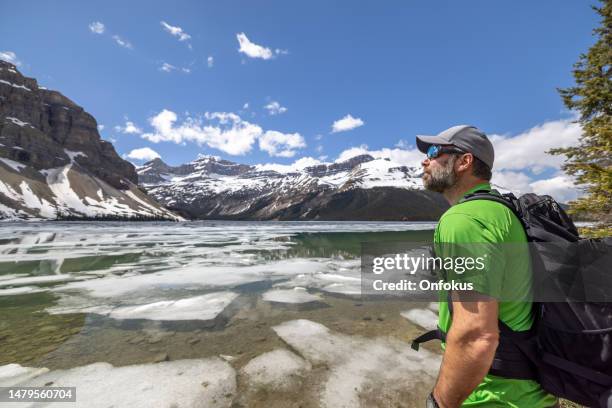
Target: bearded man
x,y
459,162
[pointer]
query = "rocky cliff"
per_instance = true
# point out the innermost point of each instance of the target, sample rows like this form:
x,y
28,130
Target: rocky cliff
x,y
361,188
53,161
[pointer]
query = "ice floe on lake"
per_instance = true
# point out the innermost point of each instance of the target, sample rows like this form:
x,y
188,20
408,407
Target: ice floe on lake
x,y
115,270
12,374
28,280
21,290
295,295
426,318
204,307
278,369
359,367
206,383
192,276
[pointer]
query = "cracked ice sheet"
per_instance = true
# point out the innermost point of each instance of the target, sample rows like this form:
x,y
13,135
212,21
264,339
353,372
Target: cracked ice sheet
x,y
22,290
173,383
340,277
295,295
205,307
278,369
192,276
38,279
384,367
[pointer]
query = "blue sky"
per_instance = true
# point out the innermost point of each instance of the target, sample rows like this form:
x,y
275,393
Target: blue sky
x,y
397,68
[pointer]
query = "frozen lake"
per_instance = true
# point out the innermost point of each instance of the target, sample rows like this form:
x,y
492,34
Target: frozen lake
x,y
260,313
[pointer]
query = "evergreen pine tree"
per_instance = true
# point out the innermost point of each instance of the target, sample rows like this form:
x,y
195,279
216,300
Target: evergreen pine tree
x,y
591,161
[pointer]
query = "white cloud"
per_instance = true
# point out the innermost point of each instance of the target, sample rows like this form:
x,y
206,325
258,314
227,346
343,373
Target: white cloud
x,y
518,162
561,188
281,144
10,56
229,133
225,131
175,31
245,106
210,61
405,157
100,128
122,42
519,159
167,67
352,152
299,164
527,150
346,123
275,108
144,153
129,128
97,27
253,50
515,181
403,144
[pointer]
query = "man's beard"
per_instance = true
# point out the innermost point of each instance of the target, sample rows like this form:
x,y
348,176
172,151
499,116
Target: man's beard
x,y
441,179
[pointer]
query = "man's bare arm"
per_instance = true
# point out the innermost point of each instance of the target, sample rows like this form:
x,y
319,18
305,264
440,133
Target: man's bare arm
x,y
470,347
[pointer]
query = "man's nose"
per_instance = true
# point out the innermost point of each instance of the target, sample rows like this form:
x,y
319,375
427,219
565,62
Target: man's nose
x,y
425,162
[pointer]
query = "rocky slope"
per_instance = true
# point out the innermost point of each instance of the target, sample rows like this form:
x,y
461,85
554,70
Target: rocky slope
x,y
53,162
361,188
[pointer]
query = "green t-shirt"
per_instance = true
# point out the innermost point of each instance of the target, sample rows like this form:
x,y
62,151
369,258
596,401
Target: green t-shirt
x,y
489,224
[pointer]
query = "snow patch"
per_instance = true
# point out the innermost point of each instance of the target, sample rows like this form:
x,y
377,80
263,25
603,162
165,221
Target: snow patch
x,y
73,154
18,122
8,191
2,81
13,164
31,200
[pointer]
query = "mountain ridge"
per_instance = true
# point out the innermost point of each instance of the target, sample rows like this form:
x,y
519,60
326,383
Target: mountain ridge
x,y
360,188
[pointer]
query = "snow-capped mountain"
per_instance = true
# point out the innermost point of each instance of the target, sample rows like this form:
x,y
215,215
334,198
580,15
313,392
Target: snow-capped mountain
x,y
53,163
361,188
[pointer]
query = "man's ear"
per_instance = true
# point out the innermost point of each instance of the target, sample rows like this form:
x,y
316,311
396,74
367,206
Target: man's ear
x,y
464,162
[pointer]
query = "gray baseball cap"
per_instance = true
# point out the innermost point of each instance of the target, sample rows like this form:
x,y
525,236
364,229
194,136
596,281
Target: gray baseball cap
x,y
467,138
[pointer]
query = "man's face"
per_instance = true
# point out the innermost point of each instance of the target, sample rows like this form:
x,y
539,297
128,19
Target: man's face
x,y
439,173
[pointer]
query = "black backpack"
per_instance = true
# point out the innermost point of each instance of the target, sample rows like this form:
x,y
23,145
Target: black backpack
x,y
569,348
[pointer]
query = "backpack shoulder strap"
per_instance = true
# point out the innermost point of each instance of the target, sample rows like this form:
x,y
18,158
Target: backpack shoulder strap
x,y
509,200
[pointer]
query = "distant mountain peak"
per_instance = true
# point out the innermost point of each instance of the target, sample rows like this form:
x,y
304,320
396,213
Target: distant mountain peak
x,y
215,188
